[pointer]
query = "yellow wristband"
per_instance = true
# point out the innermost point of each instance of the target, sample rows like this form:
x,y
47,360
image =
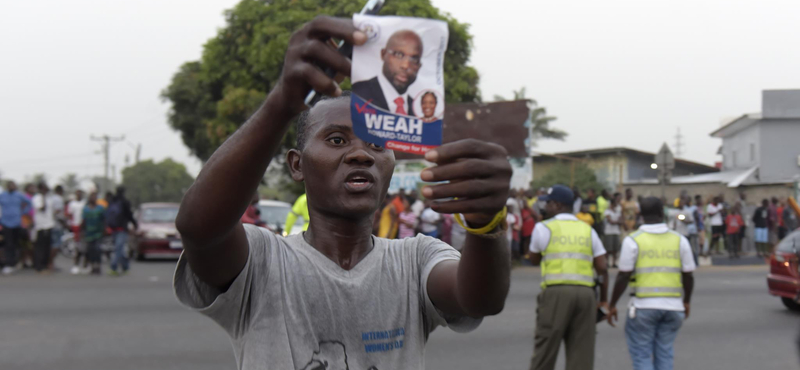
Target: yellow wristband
x,y
497,220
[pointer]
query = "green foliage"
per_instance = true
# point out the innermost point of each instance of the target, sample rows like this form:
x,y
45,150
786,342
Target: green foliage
x,y
540,121
563,173
212,97
148,181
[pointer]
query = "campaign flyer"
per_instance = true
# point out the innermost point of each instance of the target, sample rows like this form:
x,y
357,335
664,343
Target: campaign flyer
x,y
398,82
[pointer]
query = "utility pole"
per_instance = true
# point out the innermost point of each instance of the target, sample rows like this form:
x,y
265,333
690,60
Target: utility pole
x,y
106,141
678,143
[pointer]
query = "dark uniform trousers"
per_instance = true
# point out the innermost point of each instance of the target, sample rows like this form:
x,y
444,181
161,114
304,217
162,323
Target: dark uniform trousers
x,y
568,313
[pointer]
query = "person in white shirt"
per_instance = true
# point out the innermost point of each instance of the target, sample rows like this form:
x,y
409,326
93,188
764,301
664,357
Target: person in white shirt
x,y
655,313
418,206
44,205
612,229
714,212
430,222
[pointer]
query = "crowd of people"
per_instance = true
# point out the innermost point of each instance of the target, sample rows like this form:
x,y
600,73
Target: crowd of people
x,y
37,223
712,225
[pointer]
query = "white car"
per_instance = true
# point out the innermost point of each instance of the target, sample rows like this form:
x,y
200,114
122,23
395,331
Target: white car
x,y
274,212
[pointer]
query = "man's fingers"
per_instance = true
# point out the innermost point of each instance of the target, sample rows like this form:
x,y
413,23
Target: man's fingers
x,y
467,169
467,148
469,189
325,55
464,205
324,27
318,80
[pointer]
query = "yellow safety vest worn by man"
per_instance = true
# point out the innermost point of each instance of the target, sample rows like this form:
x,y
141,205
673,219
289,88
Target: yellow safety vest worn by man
x,y
300,208
658,262
570,251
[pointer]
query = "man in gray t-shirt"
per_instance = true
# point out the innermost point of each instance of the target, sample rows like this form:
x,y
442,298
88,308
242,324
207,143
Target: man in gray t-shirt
x,y
290,302
336,297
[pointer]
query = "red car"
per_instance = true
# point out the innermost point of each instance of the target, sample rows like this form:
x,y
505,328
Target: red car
x,y
784,271
157,236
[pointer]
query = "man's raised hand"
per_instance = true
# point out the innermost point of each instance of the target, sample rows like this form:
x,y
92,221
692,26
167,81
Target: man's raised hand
x,y
309,51
479,176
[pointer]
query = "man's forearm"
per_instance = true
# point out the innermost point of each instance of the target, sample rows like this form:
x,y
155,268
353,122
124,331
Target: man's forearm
x,y
620,285
225,186
603,286
484,275
688,286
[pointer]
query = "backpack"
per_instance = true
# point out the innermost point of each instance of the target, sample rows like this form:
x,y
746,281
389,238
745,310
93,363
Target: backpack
x,y
115,216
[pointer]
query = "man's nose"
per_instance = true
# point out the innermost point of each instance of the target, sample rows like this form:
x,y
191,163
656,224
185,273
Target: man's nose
x,y
360,154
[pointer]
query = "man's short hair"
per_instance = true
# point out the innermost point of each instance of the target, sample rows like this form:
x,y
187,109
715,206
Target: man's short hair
x,y
652,207
301,125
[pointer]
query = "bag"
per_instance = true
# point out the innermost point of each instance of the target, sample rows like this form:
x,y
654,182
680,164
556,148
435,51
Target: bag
x,y
115,216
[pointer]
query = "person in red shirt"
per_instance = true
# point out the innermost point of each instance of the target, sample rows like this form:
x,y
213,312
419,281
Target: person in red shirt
x,y
734,223
528,222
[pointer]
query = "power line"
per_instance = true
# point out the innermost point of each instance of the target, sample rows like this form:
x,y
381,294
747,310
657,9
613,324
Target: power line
x,y
106,143
678,143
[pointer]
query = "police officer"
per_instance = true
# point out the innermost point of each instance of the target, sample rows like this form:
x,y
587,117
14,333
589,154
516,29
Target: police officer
x,y
568,250
661,264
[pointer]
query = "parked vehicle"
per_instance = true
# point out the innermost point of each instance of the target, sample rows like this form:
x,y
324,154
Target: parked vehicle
x,y
157,236
784,271
274,213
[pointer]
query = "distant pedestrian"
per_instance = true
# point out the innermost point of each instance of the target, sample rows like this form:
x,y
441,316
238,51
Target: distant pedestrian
x,y
789,219
75,219
684,222
773,222
569,250
714,213
761,229
613,229
44,221
630,212
782,230
417,206
430,221
59,215
299,209
388,219
578,203
118,216
699,217
407,222
585,216
661,263
733,223
528,223
93,226
13,205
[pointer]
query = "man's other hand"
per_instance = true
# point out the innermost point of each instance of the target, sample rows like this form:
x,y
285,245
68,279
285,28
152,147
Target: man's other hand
x,y
308,53
612,316
479,176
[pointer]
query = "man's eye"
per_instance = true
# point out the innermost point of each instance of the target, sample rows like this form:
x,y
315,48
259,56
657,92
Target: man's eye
x,y
336,140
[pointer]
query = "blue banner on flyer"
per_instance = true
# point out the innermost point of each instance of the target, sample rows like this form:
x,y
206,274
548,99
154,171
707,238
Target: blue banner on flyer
x,y
392,131
398,82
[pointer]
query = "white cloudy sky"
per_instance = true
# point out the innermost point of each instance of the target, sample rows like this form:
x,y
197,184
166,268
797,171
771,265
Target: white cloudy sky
x,y
616,73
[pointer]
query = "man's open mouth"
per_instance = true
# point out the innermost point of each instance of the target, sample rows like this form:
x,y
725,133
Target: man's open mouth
x,y
359,181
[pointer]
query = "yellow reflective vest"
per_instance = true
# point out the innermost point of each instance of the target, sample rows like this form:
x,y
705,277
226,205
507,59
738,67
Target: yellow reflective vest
x,y
658,265
568,258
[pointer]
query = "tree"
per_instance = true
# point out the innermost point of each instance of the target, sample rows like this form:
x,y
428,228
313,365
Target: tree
x,y
570,173
148,181
540,121
212,97
70,182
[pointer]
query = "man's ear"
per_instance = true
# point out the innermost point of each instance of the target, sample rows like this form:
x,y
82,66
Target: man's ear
x,y
293,157
383,54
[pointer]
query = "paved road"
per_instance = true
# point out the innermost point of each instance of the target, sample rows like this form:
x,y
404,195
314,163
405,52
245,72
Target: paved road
x,y
79,322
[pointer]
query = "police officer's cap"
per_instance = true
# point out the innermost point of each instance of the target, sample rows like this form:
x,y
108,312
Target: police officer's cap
x,y
560,194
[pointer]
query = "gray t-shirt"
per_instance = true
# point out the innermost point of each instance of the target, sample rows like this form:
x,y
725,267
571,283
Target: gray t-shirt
x,y
293,308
